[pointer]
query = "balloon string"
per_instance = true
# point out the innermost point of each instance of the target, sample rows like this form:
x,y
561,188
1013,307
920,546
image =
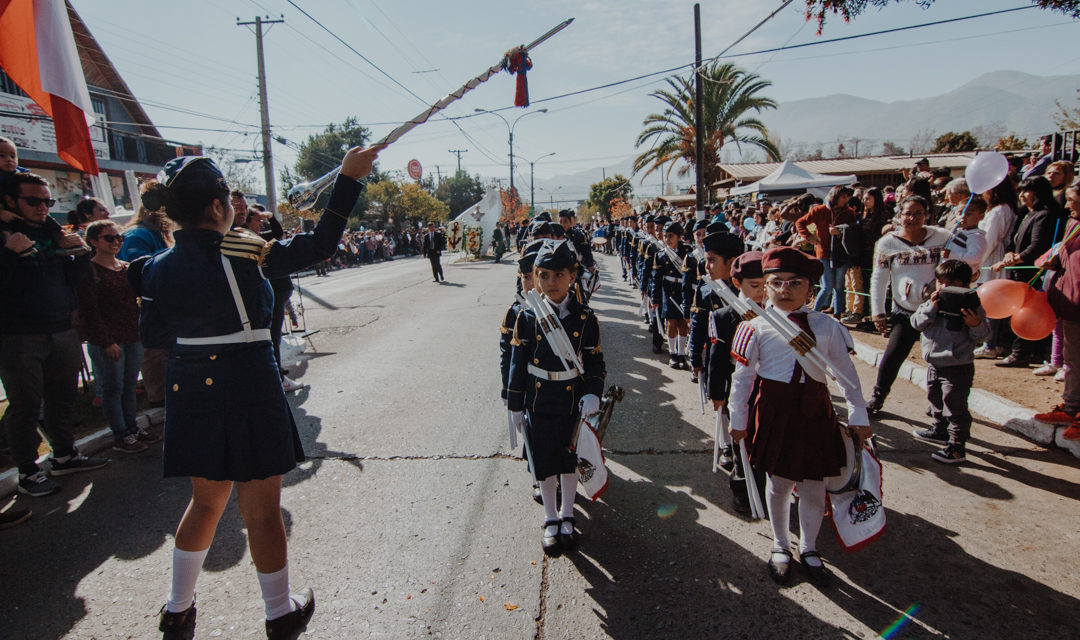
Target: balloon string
x,y
1053,254
960,221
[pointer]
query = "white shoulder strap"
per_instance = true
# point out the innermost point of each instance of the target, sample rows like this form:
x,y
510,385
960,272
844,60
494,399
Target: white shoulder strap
x,y
237,299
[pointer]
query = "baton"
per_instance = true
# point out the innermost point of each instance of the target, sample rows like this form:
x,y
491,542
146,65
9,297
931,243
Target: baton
x,y
513,432
701,391
716,441
757,510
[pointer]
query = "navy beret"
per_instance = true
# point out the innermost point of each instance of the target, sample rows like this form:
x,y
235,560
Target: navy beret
x,y
701,224
726,244
673,227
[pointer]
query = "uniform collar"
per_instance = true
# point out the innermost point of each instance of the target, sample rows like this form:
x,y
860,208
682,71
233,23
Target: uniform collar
x,y
183,236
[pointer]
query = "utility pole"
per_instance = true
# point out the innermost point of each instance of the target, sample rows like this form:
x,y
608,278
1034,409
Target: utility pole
x,y
438,172
699,117
458,153
264,111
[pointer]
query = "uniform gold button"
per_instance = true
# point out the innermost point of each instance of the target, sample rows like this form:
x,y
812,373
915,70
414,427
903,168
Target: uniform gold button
x,y
537,385
213,357
576,334
176,387
567,387
583,316
209,381
536,360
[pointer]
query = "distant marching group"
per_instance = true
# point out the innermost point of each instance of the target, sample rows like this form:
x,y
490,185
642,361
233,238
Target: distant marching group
x,y
764,369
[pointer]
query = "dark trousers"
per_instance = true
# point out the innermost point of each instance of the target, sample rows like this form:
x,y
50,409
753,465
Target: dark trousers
x,y
947,389
36,368
436,266
901,339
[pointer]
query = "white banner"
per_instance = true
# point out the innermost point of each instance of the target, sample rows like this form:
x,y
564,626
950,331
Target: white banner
x,y
31,128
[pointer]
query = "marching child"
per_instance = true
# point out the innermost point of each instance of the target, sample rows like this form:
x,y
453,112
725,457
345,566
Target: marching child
x,y
667,279
797,439
547,400
952,322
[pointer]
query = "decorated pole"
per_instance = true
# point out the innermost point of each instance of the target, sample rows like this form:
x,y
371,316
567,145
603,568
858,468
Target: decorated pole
x,y
304,195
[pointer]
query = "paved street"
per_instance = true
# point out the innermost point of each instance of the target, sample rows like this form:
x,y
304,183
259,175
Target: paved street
x,y
412,518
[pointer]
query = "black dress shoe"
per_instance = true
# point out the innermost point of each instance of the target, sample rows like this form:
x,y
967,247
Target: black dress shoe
x,y
292,624
550,543
781,573
568,540
874,405
179,625
726,458
818,575
537,496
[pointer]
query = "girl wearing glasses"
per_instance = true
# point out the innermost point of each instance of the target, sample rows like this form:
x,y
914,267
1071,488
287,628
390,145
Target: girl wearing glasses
x,y
109,322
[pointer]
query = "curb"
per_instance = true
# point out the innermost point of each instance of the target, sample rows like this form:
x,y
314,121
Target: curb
x,y
1008,414
87,445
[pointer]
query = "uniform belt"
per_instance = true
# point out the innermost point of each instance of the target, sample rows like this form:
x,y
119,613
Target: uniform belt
x,y
255,335
554,376
672,279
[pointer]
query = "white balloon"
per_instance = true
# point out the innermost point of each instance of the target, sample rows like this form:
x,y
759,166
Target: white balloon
x,y
986,171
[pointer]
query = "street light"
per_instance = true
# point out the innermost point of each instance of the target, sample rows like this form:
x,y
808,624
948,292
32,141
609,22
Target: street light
x,y
532,190
510,130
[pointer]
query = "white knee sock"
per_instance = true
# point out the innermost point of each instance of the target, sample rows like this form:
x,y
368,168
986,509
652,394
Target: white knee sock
x,y
779,495
721,424
672,346
275,593
811,512
186,566
569,494
548,487
681,343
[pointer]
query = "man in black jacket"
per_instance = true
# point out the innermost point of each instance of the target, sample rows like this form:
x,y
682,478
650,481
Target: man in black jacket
x,y
432,247
40,351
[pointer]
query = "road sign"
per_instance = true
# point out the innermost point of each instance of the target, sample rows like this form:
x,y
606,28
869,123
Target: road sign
x,y
415,170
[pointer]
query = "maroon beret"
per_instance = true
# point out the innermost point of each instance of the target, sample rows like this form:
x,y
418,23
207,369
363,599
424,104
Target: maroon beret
x,y
792,260
747,266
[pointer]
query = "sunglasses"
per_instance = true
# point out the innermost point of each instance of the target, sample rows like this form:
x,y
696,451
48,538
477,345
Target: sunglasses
x,y
111,238
37,202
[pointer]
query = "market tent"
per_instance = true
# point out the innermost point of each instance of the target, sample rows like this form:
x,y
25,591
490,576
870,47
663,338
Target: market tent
x,y
790,178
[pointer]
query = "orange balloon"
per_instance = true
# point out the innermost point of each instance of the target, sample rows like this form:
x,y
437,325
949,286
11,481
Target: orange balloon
x,y
1035,320
1001,298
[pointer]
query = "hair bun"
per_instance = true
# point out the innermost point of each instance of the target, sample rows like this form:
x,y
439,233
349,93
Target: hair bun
x,y
153,196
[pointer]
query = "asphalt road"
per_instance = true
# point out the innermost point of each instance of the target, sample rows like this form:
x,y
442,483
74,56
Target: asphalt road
x,y
413,519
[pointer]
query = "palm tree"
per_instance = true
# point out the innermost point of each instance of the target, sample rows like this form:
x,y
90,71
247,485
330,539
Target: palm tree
x,y
729,93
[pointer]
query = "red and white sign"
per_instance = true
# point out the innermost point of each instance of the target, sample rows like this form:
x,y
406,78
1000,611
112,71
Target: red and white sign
x,y
415,170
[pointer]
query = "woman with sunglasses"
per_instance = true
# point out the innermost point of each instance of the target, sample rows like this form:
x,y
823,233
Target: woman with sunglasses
x,y
109,322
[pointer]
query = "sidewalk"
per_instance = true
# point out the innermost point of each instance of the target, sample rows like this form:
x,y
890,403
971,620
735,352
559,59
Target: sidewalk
x,y
1001,411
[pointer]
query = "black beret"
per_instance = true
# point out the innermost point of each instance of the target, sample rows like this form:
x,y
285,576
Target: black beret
x,y
748,265
792,260
726,244
528,256
701,224
661,219
566,213
717,227
543,216
673,227
648,218
555,255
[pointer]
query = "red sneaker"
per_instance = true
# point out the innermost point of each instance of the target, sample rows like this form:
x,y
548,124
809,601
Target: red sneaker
x,y
1073,432
1057,415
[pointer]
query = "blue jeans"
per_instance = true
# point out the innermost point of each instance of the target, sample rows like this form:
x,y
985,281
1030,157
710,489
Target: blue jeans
x,y
117,383
832,283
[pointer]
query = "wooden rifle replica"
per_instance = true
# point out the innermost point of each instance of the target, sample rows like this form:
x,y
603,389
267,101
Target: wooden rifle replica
x,y
805,347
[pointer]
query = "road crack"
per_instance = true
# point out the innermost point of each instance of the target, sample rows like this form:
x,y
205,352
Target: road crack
x,y
541,615
348,457
657,452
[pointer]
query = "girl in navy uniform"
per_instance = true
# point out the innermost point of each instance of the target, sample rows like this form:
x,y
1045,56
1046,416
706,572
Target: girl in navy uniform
x,y
227,421
667,295
547,401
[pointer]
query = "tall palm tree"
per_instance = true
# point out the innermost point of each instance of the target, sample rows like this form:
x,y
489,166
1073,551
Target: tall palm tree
x,y
729,94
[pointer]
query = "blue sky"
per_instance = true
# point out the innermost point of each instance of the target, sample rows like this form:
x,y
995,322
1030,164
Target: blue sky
x,y
191,55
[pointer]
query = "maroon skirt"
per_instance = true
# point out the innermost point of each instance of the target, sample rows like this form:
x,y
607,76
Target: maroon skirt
x,y
796,433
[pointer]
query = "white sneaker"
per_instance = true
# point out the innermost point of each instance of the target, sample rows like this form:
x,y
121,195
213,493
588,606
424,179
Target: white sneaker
x,y
1060,375
1046,369
987,351
288,385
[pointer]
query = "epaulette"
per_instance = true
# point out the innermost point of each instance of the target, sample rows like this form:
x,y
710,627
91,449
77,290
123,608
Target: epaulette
x,y
741,342
241,243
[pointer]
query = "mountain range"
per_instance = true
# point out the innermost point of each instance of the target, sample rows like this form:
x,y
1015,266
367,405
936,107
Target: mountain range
x,y
992,105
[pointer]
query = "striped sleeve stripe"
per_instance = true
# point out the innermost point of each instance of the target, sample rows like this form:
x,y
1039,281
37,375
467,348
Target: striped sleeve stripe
x,y
741,341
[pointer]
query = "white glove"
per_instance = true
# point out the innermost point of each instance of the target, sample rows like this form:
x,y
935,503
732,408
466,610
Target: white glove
x,y
518,418
590,404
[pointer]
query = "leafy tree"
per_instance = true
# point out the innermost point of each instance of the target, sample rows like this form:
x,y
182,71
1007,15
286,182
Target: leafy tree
x,y
848,9
460,191
952,142
890,148
322,152
1067,117
398,202
604,194
418,204
730,94
238,175
1011,143
512,206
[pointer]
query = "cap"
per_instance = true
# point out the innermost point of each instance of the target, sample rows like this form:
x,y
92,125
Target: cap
x,y
701,224
189,170
792,260
662,219
555,255
726,244
541,228
673,227
566,213
717,227
543,216
528,256
648,218
748,265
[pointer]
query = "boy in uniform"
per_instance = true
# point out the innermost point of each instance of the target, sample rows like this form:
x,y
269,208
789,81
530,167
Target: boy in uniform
x,y
667,279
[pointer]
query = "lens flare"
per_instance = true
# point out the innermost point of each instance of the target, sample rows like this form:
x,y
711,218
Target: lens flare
x,y
894,629
665,511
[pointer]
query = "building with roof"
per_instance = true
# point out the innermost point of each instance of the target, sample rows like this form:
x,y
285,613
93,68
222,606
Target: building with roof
x,y
127,145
